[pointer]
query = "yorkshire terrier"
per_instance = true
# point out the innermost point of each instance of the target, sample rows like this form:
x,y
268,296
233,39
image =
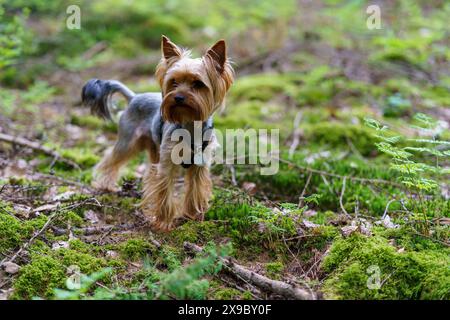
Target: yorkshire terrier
x,y
191,91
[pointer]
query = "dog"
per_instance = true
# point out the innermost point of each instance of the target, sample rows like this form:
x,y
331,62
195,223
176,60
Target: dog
x,y
192,89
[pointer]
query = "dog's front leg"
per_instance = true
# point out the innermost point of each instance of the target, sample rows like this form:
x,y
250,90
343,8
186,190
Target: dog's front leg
x,y
158,200
198,187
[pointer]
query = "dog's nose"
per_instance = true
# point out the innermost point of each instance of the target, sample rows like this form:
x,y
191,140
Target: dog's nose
x,y
179,98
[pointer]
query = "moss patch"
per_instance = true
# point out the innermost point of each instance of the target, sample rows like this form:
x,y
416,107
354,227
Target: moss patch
x,y
403,275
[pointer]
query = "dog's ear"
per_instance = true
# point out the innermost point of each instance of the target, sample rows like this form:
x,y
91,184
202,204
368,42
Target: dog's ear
x,y
169,49
218,53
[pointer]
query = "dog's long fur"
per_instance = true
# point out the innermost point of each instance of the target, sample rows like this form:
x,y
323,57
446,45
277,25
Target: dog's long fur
x,y
192,90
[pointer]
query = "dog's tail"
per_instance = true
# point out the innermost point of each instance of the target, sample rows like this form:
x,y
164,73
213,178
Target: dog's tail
x,y
97,95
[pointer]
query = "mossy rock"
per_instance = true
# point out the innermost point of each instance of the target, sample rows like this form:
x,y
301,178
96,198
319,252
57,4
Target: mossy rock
x,y
403,275
46,272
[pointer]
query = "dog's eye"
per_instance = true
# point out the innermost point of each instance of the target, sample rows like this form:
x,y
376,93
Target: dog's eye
x,y
198,84
174,83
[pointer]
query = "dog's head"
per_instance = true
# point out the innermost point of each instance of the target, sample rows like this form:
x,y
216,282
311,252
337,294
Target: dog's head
x,y
192,89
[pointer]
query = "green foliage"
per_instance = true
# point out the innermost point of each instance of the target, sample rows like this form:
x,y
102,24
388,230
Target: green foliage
x,y
49,271
134,249
15,44
414,174
184,282
274,269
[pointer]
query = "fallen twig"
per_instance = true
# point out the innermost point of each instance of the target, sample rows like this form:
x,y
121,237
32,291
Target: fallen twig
x,y
233,174
88,231
302,195
278,287
335,175
386,210
342,196
36,146
296,134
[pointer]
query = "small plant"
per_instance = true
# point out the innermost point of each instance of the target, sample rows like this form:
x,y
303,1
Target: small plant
x,y
409,157
184,282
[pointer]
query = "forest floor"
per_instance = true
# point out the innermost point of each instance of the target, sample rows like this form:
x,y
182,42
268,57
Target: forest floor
x,y
335,222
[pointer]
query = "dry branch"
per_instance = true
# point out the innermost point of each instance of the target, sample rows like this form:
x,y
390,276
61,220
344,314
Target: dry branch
x,y
278,287
37,147
296,135
88,231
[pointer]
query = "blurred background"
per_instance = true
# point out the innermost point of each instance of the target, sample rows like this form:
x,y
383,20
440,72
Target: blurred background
x,y
314,61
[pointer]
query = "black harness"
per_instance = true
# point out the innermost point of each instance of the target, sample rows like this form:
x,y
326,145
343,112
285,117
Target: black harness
x,y
207,130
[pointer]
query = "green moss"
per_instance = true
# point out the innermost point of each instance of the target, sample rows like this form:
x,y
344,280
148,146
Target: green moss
x,y
403,275
72,218
274,270
92,122
226,294
114,201
82,157
47,272
263,87
135,248
196,232
339,135
38,278
171,257
12,232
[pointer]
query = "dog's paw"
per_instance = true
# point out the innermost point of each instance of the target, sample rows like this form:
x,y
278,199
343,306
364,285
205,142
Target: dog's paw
x,y
99,185
162,226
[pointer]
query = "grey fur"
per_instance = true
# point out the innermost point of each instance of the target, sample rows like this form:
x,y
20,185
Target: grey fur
x,y
97,95
141,119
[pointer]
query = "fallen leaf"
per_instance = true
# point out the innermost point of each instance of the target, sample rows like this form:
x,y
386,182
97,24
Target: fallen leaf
x,y
46,207
249,187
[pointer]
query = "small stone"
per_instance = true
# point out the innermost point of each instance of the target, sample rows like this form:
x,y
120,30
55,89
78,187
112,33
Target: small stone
x,y
388,224
91,216
60,244
11,267
348,230
5,294
310,213
309,224
111,254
